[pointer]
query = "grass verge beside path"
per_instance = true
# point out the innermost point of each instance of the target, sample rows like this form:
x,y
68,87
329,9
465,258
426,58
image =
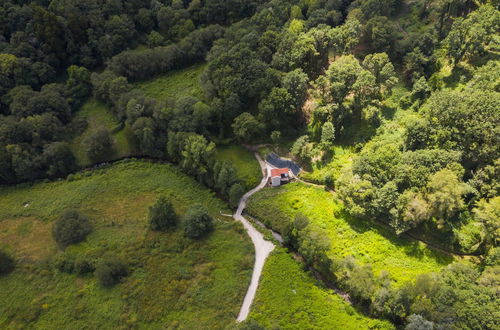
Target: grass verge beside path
x,y
290,298
175,282
367,242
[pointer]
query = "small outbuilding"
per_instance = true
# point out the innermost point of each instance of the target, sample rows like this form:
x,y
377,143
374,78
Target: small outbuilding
x,y
279,176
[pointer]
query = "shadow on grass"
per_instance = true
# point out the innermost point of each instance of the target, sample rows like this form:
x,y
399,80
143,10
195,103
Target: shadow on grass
x,y
410,247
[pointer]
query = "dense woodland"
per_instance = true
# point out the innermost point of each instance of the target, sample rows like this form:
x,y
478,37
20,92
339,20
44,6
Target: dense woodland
x,y
308,74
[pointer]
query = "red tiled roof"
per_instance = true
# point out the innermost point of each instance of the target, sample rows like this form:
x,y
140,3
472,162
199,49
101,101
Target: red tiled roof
x,y
279,171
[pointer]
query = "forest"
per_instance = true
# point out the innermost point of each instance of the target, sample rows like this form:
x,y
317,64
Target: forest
x,y
392,106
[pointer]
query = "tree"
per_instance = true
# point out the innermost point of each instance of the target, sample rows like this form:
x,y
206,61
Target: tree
x,y
110,270
327,135
162,215
155,39
302,148
417,322
277,108
6,263
295,82
444,194
59,159
71,228
98,145
235,194
195,154
245,127
197,222
487,213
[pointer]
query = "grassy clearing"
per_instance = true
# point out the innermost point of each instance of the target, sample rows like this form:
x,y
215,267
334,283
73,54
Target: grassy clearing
x,y
340,156
367,242
246,165
174,282
176,83
99,116
289,298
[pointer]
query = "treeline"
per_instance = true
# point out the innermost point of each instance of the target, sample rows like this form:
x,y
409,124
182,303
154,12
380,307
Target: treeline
x,y
142,64
460,296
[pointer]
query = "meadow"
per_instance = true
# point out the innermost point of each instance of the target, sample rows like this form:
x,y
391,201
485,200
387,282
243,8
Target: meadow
x,y
368,242
246,165
174,84
290,298
98,116
174,282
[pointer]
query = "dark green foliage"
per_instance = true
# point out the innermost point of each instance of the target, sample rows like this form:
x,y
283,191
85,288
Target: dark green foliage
x,y
6,263
197,222
235,193
99,145
246,127
71,228
162,215
110,270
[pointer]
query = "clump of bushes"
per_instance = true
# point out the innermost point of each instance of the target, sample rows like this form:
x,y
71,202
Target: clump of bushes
x,y
71,228
110,270
99,145
74,265
6,263
162,215
197,222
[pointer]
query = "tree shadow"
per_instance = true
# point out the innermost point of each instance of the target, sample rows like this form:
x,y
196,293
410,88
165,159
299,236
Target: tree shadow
x,y
408,245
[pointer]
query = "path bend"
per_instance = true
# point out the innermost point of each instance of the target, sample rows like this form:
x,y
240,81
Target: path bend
x,y
262,247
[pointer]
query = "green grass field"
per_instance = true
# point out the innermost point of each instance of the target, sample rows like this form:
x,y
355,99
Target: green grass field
x,y
176,83
99,116
367,242
290,298
174,282
246,165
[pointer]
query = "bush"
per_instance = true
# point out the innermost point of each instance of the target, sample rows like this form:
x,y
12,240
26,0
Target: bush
x,y
83,266
6,263
71,228
197,222
235,194
162,215
110,271
64,263
99,145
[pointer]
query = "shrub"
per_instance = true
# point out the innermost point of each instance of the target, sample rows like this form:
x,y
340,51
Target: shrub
x,y
99,145
71,228
64,263
197,222
6,263
235,194
162,215
83,266
110,270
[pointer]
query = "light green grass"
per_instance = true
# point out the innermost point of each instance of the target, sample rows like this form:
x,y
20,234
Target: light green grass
x,y
98,116
175,282
289,298
246,165
367,242
177,83
341,156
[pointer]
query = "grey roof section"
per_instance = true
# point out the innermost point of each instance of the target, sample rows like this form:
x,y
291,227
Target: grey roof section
x,y
279,162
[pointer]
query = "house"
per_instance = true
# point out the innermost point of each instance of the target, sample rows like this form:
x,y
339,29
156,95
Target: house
x,y
279,176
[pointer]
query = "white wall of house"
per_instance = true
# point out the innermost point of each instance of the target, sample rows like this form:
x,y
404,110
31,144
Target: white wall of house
x,y
276,181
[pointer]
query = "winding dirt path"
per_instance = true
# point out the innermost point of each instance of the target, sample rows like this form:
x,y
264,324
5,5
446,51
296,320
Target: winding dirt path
x,y
262,247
